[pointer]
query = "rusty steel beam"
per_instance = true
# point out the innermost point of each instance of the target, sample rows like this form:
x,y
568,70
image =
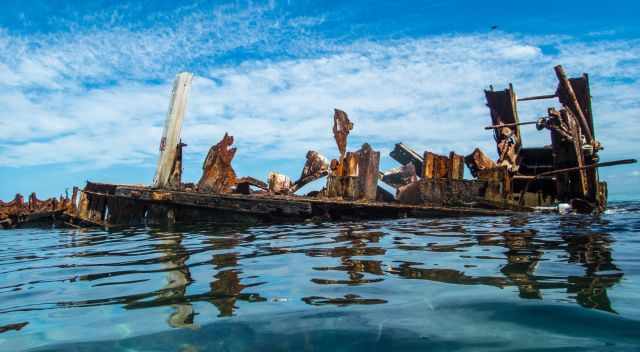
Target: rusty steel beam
x,y
510,125
316,167
404,155
539,97
585,167
243,185
368,170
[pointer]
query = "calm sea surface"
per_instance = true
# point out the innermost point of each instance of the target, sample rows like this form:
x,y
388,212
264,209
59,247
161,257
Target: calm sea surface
x,y
531,282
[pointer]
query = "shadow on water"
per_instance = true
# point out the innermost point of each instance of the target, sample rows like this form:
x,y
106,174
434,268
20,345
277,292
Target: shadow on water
x,y
556,261
350,332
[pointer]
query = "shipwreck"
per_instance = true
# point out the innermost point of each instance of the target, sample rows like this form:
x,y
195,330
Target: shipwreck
x,y
560,176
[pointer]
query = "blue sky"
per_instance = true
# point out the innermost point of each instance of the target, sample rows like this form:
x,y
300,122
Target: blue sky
x,y
85,84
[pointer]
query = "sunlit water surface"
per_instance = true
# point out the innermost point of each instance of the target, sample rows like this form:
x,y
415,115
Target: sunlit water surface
x,y
530,282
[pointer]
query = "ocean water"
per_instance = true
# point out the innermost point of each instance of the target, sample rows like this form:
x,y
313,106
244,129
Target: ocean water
x,y
528,282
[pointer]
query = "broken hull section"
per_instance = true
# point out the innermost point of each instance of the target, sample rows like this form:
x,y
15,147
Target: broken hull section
x,y
115,205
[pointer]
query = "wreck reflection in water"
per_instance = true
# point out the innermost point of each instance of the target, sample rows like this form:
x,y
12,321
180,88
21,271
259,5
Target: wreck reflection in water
x,y
524,253
196,274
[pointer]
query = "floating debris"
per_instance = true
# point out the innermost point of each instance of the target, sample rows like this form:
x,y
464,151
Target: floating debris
x,y
348,299
16,327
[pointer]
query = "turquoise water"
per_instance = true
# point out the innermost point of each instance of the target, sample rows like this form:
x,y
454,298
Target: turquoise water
x,y
531,282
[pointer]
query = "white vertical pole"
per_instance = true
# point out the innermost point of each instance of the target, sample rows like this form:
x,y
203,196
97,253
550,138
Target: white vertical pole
x,y
172,128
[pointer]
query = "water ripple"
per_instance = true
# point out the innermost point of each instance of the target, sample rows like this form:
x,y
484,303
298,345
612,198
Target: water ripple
x,y
61,285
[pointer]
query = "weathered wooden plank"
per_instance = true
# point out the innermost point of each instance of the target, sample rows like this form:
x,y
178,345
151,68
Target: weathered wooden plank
x,y
100,187
237,203
172,128
131,204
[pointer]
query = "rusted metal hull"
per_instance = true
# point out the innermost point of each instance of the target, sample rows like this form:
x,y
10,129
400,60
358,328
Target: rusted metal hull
x,y
112,205
426,184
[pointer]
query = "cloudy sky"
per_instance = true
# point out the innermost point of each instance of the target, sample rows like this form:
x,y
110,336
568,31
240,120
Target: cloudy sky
x,y
84,85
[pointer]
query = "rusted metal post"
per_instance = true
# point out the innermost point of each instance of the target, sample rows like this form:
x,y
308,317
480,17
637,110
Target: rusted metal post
x,y
218,175
341,127
172,129
456,166
577,146
368,169
429,165
436,166
510,125
573,100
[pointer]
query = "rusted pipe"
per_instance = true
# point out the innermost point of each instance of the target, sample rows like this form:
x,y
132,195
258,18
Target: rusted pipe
x,y
539,97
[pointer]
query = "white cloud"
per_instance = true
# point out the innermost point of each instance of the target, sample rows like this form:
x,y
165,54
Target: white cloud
x,y
520,52
99,97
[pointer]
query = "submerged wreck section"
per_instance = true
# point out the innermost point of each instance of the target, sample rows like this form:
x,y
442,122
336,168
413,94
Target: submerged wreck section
x,y
18,212
560,175
351,192
112,205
